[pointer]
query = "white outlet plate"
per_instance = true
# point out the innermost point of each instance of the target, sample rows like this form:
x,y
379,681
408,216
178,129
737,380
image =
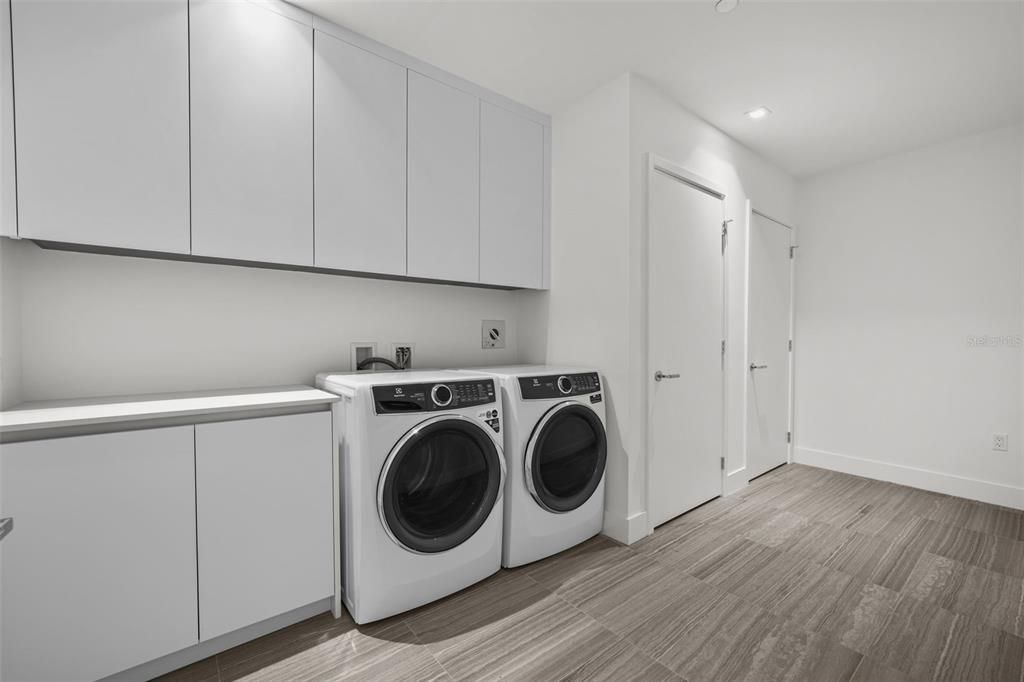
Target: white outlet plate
x,y
404,344
360,350
1000,442
492,334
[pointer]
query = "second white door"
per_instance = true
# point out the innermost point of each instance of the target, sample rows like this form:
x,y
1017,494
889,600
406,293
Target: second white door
x,y
685,346
768,370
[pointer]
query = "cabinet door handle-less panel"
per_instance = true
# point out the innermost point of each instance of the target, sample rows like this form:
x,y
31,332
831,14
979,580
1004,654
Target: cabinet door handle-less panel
x,y
511,198
360,159
444,181
252,133
265,519
101,573
102,122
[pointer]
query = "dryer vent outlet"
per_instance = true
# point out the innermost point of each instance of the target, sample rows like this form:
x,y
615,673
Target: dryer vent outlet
x,y
492,334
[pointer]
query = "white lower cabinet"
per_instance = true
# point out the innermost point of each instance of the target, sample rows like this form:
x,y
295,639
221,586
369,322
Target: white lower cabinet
x,y
264,495
133,545
99,574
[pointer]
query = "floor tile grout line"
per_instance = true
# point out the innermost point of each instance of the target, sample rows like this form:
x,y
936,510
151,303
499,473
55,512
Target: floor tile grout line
x,y
420,643
603,626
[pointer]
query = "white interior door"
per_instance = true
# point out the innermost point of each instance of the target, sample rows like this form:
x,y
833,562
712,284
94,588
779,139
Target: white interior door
x,y
685,343
768,346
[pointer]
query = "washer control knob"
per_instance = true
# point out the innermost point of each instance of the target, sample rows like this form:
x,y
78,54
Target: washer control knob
x,y
565,385
441,395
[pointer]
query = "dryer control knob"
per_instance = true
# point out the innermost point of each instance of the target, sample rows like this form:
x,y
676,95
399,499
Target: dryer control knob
x,y
565,385
441,395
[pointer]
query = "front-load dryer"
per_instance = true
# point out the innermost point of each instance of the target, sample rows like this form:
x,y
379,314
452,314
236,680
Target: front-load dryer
x,y
421,474
555,451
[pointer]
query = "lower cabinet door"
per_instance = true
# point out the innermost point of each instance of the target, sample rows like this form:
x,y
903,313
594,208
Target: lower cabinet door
x,y
99,574
265,518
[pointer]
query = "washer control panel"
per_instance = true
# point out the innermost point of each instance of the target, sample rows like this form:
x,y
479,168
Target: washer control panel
x,y
446,395
559,385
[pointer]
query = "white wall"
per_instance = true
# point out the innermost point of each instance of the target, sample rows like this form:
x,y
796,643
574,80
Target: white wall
x,y
94,325
901,261
595,310
582,319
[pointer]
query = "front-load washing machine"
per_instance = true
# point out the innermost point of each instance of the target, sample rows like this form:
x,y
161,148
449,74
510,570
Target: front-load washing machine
x,y
555,452
421,474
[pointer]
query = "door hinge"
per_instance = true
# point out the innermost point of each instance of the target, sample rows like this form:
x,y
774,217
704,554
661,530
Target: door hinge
x,y
789,436
791,345
792,251
723,464
725,233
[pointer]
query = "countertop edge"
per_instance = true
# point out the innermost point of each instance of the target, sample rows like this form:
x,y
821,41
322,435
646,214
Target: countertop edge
x,y
40,416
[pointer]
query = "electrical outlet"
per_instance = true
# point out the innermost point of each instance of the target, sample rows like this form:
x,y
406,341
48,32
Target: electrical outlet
x,y
1000,442
360,351
401,353
492,334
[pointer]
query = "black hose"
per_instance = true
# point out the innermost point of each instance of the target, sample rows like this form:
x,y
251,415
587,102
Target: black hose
x,y
369,362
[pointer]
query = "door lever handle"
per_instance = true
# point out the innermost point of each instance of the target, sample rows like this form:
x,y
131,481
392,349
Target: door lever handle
x,y
753,367
659,375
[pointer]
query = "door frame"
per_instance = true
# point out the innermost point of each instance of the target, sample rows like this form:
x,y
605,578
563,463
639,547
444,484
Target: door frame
x,y
657,164
791,324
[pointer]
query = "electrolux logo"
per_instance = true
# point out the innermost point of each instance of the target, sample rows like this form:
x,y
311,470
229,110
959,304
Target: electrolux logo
x,y
990,341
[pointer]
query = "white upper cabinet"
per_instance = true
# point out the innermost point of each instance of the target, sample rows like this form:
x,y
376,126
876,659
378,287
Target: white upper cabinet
x,y
444,181
511,199
359,119
252,133
99,574
102,122
8,211
265,518
231,129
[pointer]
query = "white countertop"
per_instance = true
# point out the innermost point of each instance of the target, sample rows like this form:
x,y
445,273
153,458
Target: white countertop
x,y
51,414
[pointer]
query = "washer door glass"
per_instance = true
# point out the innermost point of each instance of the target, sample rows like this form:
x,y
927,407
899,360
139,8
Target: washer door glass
x,y
566,457
440,485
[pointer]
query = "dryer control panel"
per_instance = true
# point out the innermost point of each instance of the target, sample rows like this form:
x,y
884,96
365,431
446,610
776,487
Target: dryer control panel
x,y
559,385
447,395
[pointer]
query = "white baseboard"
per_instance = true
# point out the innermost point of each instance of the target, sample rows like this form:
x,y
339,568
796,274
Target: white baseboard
x,y
735,481
949,484
626,530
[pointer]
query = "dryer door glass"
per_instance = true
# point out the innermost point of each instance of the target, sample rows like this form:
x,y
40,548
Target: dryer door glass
x,y
439,485
566,457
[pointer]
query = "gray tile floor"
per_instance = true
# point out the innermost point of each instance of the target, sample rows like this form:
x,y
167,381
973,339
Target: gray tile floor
x,y
806,575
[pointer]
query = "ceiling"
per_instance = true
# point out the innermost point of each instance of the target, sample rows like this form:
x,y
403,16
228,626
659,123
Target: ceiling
x,y
847,81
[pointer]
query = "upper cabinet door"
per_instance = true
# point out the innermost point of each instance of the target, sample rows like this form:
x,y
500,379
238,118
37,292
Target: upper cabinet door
x,y
102,122
444,181
359,119
8,213
511,199
252,133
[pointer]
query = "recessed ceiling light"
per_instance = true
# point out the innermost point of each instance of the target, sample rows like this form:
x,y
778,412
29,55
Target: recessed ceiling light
x,y
759,113
726,6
